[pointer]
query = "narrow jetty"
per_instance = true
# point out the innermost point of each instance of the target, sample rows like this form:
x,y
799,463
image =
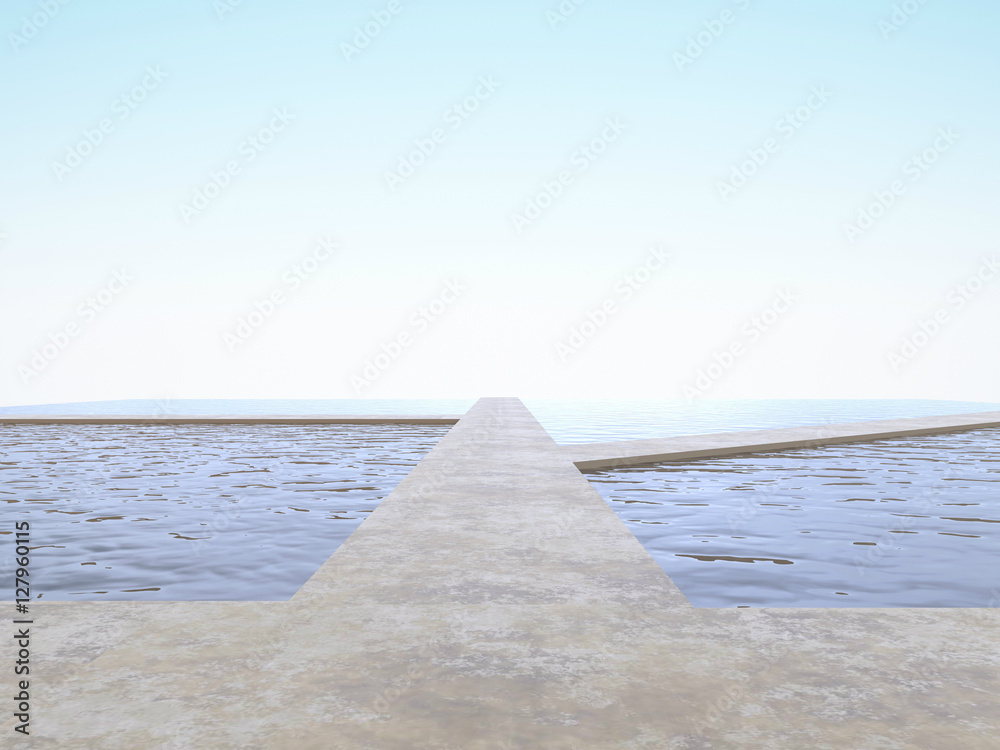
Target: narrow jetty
x,y
236,419
621,453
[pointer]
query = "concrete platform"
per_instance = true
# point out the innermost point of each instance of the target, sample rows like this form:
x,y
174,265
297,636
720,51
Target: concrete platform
x,y
622,453
494,601
157,419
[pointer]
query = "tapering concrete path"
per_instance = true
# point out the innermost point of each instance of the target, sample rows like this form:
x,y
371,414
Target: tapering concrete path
x,y
494,601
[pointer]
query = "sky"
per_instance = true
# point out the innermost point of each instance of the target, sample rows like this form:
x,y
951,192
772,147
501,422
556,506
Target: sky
x,y
418,199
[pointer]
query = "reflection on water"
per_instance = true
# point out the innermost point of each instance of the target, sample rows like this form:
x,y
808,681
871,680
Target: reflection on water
x,y
906,522
192,512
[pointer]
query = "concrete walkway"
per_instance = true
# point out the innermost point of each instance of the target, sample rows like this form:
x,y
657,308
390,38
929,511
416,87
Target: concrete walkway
x,y
495,601
636,452
159,419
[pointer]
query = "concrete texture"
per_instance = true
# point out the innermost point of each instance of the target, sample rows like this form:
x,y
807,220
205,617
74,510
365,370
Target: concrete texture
x,y
145,420
494,601
621,453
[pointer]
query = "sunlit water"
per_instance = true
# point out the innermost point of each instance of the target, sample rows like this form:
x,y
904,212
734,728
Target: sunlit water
x,y
905,522
191,512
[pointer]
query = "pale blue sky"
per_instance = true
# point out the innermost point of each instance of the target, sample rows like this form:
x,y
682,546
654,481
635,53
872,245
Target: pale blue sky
x,y
686,127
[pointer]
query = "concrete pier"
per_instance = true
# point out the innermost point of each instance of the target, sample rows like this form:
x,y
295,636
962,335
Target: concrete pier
x,y
173,419
495,601
622,453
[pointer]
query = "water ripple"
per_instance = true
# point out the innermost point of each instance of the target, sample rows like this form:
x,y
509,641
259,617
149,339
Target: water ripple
x,y
166,512
887,545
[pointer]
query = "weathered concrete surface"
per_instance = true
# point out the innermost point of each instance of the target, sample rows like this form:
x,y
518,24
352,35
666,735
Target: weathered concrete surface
x,y
621,453
157,419
494,600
